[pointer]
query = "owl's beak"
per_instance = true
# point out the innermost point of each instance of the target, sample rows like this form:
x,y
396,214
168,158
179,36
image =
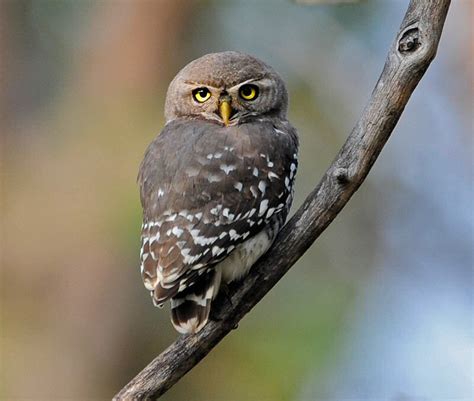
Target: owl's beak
x,y
225,111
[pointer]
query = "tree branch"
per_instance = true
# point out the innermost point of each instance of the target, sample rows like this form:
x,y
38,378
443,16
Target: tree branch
x,y
410,55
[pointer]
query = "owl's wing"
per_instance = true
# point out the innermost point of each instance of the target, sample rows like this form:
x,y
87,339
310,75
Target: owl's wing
x,y
206,189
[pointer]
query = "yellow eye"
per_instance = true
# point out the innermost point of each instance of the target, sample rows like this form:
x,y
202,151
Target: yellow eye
x,y
248,92
201,94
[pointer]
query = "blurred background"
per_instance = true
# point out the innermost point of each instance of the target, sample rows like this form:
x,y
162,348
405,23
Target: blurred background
x,y
380,308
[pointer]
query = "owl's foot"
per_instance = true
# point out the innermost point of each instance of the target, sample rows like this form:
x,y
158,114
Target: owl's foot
x,y
221,304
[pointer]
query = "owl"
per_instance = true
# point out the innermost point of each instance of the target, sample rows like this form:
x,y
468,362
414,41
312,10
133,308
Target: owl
x,y
216,184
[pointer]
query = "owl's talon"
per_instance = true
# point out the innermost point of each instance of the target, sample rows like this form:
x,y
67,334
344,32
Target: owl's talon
x,y
226,293
221,304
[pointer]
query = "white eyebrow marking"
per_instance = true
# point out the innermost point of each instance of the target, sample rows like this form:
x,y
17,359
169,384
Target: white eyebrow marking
x,y
242,83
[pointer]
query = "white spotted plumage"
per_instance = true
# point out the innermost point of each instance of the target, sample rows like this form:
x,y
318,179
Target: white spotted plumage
x,y
214,196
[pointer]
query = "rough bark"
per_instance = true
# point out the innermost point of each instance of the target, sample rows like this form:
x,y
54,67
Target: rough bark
x,y
410,55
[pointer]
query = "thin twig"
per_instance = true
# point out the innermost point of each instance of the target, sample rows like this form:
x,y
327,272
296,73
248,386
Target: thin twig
x,y
410,55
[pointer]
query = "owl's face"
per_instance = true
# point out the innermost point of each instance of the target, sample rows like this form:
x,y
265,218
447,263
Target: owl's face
x,y
225,88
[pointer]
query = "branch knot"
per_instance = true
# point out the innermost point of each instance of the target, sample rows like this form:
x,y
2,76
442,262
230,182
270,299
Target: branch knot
x,y
342,175
410,41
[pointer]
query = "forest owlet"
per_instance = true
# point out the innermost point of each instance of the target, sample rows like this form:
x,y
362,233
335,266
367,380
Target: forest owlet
x,y
216,184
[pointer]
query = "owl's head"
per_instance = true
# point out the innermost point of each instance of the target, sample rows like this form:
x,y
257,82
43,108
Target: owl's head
x,y
226,88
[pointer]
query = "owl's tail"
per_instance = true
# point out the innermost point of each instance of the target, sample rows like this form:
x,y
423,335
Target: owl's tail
x,y
190,309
